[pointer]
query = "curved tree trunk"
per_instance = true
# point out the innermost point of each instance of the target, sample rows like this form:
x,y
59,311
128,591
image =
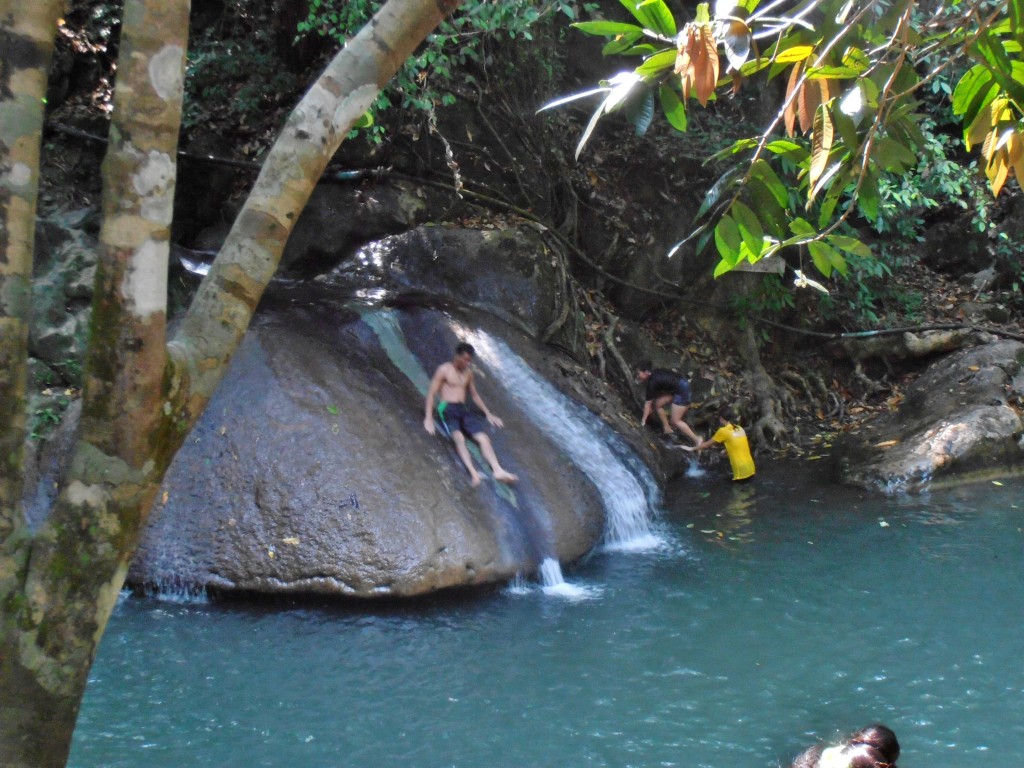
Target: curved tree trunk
x,y
142,396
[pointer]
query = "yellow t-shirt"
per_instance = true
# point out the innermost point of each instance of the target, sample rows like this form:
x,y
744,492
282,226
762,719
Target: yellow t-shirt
x,y
736,445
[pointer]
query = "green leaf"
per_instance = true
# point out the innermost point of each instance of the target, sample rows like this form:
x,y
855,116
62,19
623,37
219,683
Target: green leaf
x,y
763,171
820,257
867,198
673,107
833,73
740,145
728,240
891,155
644,49
831,255
850,245
658,64
607,28
654,15
975,90
750,227
621,44
772,215
846,129
790,150
802,227
641,113
365,120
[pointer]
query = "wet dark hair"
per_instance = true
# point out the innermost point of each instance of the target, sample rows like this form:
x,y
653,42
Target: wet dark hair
x,y
874,746
726,413
464,347
645,365
880,739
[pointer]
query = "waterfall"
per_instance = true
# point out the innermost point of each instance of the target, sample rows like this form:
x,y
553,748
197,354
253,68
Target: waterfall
x,y
626,486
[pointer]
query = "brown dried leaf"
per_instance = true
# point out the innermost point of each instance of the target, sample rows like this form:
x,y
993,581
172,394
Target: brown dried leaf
x,y
790,114
706,70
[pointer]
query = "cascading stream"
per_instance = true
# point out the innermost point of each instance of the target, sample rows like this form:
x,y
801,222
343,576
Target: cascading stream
x,y
626,487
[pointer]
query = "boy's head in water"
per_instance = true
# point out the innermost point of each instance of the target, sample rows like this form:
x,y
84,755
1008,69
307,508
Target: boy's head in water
x,y
875,746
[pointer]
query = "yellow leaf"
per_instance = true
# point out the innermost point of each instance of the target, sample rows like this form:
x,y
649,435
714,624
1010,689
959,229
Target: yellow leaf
x,y
973,367
996,482
795,54
292,540
886,444
997,170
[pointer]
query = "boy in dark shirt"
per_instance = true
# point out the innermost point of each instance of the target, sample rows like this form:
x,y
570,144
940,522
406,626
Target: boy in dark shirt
x,y
665,387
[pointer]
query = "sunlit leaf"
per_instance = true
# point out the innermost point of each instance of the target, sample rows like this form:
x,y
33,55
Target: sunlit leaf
x,y
788,149
657,65
820,257
821,145
740,145
851,245
795,54
653,15
607,28
749,226
997,169
725,184
799,226
573,97
736,43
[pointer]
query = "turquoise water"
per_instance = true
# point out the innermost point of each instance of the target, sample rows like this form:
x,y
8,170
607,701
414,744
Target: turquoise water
x,y
772,615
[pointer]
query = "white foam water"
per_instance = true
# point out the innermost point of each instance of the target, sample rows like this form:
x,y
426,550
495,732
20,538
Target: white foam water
x,y
589,442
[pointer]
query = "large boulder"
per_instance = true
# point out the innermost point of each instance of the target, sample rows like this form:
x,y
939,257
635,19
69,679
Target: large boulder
x,y
310,471
507,272
956,421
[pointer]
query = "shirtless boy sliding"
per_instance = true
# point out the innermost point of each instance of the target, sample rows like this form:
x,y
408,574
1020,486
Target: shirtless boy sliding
x,y
451,382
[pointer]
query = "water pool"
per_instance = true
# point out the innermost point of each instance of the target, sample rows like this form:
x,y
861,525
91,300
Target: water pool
x,y
771,615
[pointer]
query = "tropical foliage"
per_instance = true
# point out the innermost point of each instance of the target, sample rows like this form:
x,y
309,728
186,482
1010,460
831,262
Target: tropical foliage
x,y
425,80
855,73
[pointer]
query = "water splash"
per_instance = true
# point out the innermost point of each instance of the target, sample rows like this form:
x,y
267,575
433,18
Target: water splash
x,y
695,470
175,590
626,486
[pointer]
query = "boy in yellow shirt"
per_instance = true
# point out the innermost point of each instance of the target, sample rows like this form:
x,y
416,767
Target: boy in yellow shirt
x,y
736,446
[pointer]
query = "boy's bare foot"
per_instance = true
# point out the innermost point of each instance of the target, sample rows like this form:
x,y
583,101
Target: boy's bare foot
x,y
474,480
505,477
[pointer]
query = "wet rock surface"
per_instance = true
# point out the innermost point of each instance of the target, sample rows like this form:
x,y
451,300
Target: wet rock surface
x,y
310,472
956,420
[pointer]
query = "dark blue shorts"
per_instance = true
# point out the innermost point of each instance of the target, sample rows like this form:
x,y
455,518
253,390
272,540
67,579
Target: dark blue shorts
x,y
459,416
682,395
